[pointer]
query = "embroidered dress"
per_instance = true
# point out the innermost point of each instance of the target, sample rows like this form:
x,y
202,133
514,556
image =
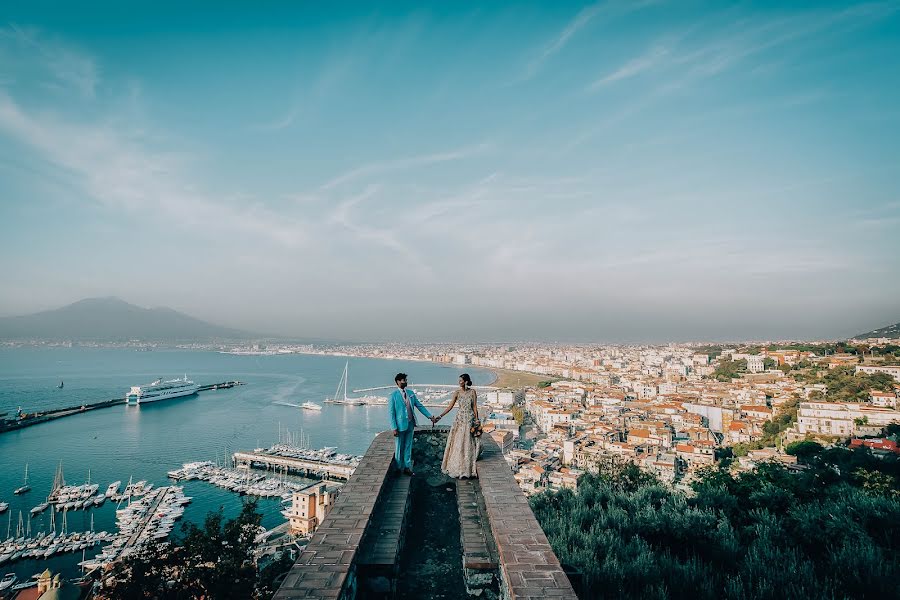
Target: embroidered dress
x,y
462,447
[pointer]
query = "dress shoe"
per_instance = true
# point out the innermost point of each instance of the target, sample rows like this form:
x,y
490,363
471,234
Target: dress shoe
x,y
408,472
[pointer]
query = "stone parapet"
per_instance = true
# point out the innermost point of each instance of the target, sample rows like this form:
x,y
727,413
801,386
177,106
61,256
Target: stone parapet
x,y
355,551
528,566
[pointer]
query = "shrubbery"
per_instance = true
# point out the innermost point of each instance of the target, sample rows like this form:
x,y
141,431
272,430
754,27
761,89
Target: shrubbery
x,y
768,533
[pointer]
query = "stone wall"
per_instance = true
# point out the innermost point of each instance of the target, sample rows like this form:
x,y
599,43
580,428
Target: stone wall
x,y
355,552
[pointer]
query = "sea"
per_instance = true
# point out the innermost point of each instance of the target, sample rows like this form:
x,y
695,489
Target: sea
x,y
145,442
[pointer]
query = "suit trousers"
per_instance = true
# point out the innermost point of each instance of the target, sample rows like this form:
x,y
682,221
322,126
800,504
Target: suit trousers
x,y
403,448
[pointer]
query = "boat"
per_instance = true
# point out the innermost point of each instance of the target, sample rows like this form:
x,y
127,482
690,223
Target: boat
x,y
60,386
161,390
3,506
7,582
341,397
311,406
25,487
113,488
39,508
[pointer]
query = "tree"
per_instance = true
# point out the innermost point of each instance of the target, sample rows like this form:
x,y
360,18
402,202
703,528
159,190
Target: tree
x,y
729,369
766,533
804,449
213,561
518,414
877,483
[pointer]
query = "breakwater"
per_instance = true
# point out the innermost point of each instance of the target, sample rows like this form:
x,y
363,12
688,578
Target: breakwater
x,y
26,419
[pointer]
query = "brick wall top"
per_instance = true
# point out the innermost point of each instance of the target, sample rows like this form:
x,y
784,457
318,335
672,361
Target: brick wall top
x,y
323,567
529,566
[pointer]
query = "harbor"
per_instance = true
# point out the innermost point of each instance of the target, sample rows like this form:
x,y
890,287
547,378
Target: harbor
x,y
144,444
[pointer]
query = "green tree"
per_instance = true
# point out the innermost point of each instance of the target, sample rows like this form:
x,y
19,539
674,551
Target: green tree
x,y
804,449
763,534
877,483
518,414
214,561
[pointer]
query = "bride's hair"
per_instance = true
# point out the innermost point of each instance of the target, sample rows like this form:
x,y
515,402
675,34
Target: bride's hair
x,y
465,377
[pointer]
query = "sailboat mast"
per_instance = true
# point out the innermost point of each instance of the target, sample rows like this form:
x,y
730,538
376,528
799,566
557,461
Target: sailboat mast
x,y
346,378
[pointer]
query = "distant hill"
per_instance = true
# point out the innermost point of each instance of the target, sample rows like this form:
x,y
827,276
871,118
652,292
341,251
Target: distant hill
x,y
891,331
112,319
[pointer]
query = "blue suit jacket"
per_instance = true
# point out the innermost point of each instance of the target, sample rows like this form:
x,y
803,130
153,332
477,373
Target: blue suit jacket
x,y
397,409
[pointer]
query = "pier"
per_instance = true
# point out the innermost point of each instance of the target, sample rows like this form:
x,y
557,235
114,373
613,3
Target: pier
x,y
147,520
28,419
308,467
414,387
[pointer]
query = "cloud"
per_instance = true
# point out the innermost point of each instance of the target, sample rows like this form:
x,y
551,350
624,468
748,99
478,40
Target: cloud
x,y
401,164
64,65
280,123
650,60
581,20
116,170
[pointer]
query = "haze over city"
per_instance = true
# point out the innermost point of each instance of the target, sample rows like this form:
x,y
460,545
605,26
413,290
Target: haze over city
x,y
619,171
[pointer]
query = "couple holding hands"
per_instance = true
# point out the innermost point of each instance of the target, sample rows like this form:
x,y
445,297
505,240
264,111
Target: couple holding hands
x,y
463,442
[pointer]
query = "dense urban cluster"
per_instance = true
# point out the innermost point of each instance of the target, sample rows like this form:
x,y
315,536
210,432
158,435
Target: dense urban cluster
x,y
670,409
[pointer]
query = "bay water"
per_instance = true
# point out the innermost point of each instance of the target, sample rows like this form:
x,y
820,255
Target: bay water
x,y
145,442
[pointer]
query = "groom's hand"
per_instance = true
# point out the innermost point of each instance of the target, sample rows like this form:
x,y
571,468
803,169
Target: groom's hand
x,y
396,433
433,419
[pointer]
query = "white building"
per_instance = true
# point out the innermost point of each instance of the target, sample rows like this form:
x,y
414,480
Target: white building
x,y
871,370
841,418
755,363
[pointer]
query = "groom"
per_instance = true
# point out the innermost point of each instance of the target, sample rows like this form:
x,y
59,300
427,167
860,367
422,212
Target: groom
x,y
402,405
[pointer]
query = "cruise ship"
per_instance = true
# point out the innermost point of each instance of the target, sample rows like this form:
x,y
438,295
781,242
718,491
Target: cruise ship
x,y
161,390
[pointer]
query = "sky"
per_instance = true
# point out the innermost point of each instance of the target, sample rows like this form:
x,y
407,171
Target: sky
x,y
624,171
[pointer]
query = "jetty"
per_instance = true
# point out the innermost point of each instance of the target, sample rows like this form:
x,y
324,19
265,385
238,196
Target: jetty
x,y
25,419
324,464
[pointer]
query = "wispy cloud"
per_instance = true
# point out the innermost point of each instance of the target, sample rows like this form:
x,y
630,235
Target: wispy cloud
x,y
66,66
401,164
115,169
280,123
386,237
649,60
581,20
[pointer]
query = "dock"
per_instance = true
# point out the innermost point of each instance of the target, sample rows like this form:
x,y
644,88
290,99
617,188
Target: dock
x,y
147,520
307,467
29,419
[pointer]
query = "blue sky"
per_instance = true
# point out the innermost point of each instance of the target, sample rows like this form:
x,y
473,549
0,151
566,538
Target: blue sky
x,y
618,171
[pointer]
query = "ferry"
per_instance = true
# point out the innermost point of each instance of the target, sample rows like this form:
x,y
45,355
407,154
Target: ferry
x,y
161,390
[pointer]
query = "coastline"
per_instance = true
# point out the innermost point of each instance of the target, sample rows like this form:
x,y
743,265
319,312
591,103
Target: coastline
x,y
502,378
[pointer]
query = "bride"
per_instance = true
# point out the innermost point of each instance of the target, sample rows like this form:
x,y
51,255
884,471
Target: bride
x,y
463,443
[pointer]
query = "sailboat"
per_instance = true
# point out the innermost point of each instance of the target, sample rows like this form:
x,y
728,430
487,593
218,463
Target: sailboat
x,y
60,386
340,394
24,488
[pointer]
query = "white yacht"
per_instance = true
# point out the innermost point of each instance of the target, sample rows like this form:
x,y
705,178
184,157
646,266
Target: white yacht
x,y
311,406
7,582
161,390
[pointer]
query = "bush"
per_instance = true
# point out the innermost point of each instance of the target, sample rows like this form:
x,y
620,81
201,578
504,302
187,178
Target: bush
x,y
769,533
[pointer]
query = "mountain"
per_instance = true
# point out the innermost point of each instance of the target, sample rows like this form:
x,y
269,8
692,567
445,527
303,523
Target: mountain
x,y
112,319
891,331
